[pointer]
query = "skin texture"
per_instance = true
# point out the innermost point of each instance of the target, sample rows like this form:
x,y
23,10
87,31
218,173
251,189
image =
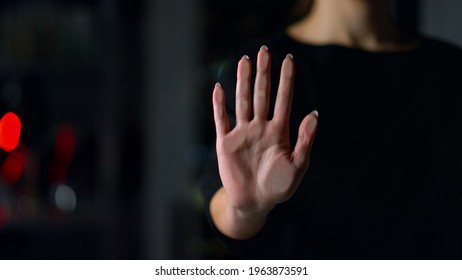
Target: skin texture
x,y
257,166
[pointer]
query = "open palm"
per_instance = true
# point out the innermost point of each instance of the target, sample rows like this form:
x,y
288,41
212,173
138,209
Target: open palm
x,y
257,165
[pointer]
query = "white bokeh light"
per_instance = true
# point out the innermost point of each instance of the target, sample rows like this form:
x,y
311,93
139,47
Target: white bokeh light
x,y
65,199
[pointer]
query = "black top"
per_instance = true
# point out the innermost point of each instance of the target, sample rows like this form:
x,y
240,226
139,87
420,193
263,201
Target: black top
x,y
385,180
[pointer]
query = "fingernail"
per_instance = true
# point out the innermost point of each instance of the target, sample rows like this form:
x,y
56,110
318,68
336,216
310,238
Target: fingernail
x,y
315,112
290,56
217,85
264,47
246,57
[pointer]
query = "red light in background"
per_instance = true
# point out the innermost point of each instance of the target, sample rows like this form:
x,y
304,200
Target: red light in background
x,y
13,167
10,131
58,173
65,144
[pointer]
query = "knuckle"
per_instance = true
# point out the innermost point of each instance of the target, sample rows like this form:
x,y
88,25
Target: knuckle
x,y
260,92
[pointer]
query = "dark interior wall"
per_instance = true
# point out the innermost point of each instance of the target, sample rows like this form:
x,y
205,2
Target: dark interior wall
x,y
441,19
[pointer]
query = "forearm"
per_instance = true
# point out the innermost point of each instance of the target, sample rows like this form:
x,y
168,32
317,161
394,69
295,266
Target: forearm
x,y
231,222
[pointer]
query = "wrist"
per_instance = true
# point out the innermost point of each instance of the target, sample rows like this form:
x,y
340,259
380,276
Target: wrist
x,y
233,222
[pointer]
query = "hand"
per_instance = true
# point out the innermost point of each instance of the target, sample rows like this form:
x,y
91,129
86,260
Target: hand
x,y
257,166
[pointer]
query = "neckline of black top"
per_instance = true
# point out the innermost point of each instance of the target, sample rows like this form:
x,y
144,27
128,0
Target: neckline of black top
x,y
295,44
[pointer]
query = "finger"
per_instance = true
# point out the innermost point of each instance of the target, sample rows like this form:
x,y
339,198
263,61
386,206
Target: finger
x,y
243,90
306,134
219,111
285,91
262,84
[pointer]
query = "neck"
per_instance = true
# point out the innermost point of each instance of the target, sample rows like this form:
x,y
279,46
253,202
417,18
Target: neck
x,y
364,24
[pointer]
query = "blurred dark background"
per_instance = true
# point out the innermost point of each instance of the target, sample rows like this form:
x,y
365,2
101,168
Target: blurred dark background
x,y
114,101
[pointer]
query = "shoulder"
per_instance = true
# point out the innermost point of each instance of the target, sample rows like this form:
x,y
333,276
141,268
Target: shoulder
x,y
438,45
444,52
440,61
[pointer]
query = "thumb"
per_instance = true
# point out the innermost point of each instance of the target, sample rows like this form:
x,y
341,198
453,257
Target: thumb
x,y
306,135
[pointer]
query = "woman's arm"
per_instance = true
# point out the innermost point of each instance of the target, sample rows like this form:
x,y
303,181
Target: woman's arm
x,y
257,165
